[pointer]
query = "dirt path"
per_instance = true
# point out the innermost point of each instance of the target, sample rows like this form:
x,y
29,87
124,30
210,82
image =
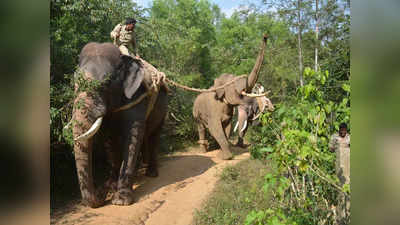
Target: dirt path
x,y
185,180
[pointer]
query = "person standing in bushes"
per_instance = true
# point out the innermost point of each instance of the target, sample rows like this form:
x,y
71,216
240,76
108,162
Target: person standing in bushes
x,y
340,143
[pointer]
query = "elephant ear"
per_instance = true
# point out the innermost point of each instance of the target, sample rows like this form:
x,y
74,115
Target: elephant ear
x,y
219,93
134,76
241,85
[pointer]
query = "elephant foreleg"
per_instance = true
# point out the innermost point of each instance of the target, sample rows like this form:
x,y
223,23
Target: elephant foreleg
x,y
228,128
242,133
124,196
218,133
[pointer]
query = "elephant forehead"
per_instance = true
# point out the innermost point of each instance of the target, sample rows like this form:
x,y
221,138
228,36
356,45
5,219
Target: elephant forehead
x,y
100,52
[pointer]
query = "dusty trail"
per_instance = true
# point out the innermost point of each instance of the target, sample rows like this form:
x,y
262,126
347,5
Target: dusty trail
x,y
185,180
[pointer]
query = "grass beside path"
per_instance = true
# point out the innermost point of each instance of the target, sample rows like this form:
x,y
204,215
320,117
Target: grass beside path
x,y
238,192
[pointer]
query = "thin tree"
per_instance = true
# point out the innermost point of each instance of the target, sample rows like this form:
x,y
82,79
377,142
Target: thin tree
x,y
299,31
316,36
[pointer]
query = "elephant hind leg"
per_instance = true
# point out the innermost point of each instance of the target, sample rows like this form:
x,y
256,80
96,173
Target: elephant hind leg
x,y
152,143
154,126
133,143
202,137
112,147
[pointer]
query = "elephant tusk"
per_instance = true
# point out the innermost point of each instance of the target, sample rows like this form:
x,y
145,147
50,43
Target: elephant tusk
x,y
258,115
254,95
68,124
236,126
244,126
92,131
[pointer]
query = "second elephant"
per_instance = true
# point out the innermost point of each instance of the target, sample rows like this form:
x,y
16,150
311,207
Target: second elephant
x,y
214,110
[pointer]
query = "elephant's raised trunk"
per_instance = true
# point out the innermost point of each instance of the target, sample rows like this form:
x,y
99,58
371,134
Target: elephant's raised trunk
x,y
92,130
256,69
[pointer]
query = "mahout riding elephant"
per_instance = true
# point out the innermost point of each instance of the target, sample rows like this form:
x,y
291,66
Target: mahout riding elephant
x,y
214,110
248,114
119,109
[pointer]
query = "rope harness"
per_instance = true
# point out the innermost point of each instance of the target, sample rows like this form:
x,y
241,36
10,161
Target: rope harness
x,y
159,79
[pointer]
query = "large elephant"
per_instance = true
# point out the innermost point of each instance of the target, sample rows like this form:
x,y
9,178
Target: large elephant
x,y
214,110
128,130
247,113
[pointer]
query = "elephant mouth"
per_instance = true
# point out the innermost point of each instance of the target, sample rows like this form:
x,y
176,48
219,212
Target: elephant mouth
x,y
92,130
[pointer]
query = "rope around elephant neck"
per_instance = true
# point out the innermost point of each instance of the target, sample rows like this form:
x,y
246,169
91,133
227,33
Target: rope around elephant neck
x,y
129,105
158,78
202,90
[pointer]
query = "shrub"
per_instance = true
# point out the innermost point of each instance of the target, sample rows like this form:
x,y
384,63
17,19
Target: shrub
x,y
295,139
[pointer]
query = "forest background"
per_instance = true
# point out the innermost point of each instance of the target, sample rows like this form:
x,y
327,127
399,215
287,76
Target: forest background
x,y
306,68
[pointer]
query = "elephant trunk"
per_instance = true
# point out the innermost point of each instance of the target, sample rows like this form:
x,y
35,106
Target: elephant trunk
x,y
256,69
83,159
84,110
89,107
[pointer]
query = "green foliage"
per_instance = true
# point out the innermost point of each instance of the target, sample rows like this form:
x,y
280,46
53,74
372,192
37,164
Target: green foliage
x,y
269,216
236,194
89,85
74,23
180,103
238,42
61,99
295,139
181,32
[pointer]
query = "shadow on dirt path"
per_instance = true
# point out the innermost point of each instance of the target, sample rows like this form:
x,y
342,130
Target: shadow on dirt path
x,y
187,166
184,181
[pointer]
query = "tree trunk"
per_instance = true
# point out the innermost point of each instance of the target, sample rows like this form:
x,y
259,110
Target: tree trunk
x,y
299,43
316,36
